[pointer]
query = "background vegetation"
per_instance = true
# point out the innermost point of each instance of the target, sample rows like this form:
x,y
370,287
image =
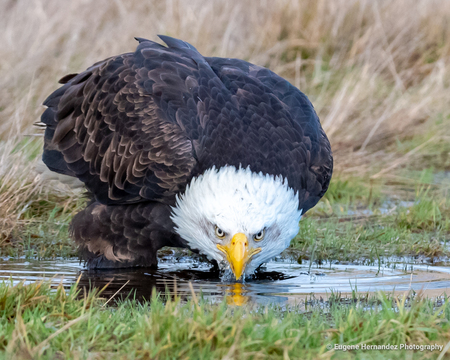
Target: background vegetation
x,y
377,72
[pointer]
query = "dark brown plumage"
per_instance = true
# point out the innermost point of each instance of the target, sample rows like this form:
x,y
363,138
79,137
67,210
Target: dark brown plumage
x,y
137,127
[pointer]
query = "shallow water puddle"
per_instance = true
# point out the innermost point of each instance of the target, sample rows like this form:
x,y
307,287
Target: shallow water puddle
x,y
278,282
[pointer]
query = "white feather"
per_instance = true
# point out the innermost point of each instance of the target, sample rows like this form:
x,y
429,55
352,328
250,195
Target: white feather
x,y
237,201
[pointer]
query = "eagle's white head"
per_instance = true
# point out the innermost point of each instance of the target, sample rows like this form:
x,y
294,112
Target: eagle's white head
x,y
237,217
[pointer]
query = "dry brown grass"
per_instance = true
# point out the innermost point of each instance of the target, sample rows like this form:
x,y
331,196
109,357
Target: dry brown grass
x,y
376,71
23,194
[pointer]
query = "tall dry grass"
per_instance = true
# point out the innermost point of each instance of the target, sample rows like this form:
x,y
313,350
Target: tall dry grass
x,y
376,71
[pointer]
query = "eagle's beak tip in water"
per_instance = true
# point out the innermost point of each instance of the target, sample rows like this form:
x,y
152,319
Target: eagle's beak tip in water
x,y
238,253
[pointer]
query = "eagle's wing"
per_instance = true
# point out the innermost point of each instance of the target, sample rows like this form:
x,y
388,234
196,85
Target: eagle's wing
x,y
120,126
299,147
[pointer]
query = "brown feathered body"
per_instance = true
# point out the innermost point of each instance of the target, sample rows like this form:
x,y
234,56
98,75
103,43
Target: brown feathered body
x,y
138,127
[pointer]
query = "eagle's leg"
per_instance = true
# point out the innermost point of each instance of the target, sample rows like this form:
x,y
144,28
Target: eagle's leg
x,y
123,235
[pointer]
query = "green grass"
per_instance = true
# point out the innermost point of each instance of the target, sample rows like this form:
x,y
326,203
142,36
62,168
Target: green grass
x,y
364,222
366,243
43,231
37,322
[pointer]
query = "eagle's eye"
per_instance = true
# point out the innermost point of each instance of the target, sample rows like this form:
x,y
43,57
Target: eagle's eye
x,y
259,236
220,233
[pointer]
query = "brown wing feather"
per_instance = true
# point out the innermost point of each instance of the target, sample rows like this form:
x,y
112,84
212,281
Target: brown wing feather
x,y
111,134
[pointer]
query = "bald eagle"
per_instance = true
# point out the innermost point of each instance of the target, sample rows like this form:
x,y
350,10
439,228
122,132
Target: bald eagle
x,y
176,149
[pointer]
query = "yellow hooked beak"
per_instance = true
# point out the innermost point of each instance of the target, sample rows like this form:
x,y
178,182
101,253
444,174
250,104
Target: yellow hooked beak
x,y
238,254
